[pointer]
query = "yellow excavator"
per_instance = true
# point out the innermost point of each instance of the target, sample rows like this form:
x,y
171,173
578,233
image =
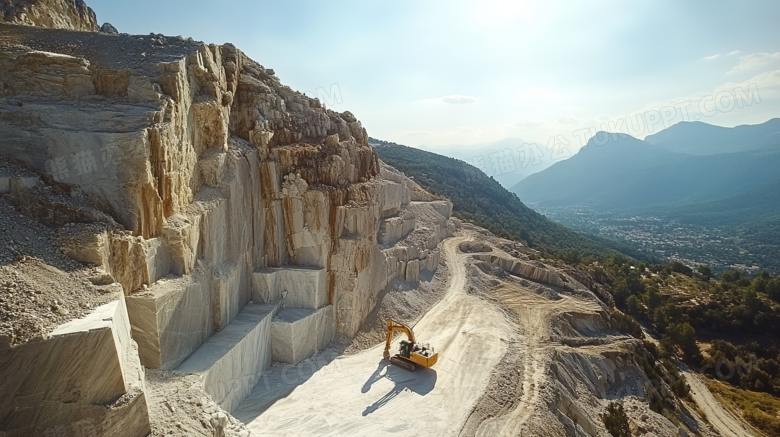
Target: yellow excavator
x,y
411,354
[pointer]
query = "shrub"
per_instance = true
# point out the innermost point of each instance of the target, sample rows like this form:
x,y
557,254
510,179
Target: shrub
x,y
680,387
773,289
731,275
616,420
627,325
705,271
677,266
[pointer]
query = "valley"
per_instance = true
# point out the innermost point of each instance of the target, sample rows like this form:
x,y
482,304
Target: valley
x,y
656,238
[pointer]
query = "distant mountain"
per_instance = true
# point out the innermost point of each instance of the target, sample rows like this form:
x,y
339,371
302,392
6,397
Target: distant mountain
x,y
626,173
482,200
486,158
697,138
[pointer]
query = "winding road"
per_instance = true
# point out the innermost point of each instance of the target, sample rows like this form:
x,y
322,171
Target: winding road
x,y
362,395
720,418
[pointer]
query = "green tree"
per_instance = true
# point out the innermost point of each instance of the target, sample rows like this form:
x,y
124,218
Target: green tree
x,y
626,324
684,336
616,420
570,256
653,298
677,266
667,314
705,271
751,300
759,284
633,306
731,275
773,289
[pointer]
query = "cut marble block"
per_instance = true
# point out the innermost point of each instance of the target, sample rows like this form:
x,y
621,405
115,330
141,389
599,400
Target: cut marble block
x,y
533,270
24,182
231,361
230,291
158,260
305,286
394,229
393,195
214,210
413,271
298,333
171,319
73,377
436,212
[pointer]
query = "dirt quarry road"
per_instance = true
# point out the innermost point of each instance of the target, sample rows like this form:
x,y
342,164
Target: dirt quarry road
x,y
362,394
720,418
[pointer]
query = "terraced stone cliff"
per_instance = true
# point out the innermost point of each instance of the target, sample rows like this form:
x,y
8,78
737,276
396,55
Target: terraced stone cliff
x,y
238,220
54,14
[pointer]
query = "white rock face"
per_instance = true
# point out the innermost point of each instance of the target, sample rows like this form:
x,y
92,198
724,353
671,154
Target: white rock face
x,y
171,319
70,379
223,187
231,361
295,287
298,333
394,229
527,269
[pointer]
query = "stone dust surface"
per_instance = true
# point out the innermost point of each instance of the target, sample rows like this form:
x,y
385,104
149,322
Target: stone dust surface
x,y
40,288
178,406
360,394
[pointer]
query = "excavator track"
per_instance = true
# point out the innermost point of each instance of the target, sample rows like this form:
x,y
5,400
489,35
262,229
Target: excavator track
x,y
402,362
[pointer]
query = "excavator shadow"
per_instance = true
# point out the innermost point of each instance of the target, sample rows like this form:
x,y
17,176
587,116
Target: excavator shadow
x,y
421,382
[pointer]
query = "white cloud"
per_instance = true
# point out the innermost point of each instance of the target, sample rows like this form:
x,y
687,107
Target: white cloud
x,y
567,120
756,60
529,123
718,55
729,97
453,100
766,83
540,94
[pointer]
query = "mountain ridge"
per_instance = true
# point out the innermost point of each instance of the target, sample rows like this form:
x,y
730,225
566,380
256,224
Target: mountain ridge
x,y
699,138
646,175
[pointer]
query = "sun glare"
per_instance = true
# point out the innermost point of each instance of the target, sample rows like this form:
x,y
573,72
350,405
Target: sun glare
x,y
502,11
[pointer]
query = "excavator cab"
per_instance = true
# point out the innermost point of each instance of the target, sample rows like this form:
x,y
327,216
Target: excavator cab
x,y
410,354
405,349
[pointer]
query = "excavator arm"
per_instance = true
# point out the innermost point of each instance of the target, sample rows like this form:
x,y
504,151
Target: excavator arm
x,y
392,327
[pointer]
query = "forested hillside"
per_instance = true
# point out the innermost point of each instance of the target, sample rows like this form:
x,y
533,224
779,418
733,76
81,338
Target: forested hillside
x,y
722,327
483,201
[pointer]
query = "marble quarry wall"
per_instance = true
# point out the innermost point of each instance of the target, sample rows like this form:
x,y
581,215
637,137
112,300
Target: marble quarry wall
x,y
223,193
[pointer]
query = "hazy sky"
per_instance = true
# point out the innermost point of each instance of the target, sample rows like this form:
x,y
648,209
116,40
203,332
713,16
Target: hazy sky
x,y
458,72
